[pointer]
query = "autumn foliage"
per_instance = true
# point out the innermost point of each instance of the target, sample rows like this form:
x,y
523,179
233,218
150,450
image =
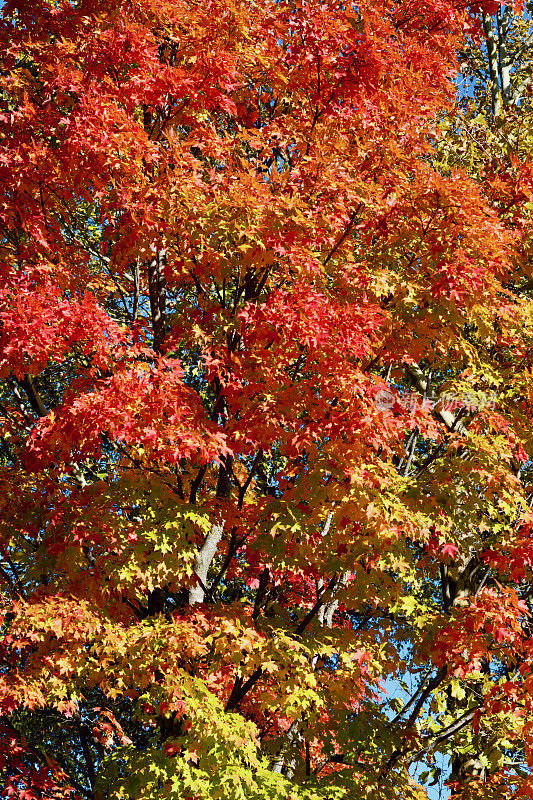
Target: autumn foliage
x,y
225,238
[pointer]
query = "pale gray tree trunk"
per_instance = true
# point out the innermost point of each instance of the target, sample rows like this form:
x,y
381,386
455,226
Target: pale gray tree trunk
x,y
491,39
503,19
207,552
204,559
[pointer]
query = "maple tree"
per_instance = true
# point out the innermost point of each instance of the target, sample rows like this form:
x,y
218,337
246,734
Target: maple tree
x,y
266,405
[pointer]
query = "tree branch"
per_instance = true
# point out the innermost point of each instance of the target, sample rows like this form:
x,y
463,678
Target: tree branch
x,y
317,606
343,236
